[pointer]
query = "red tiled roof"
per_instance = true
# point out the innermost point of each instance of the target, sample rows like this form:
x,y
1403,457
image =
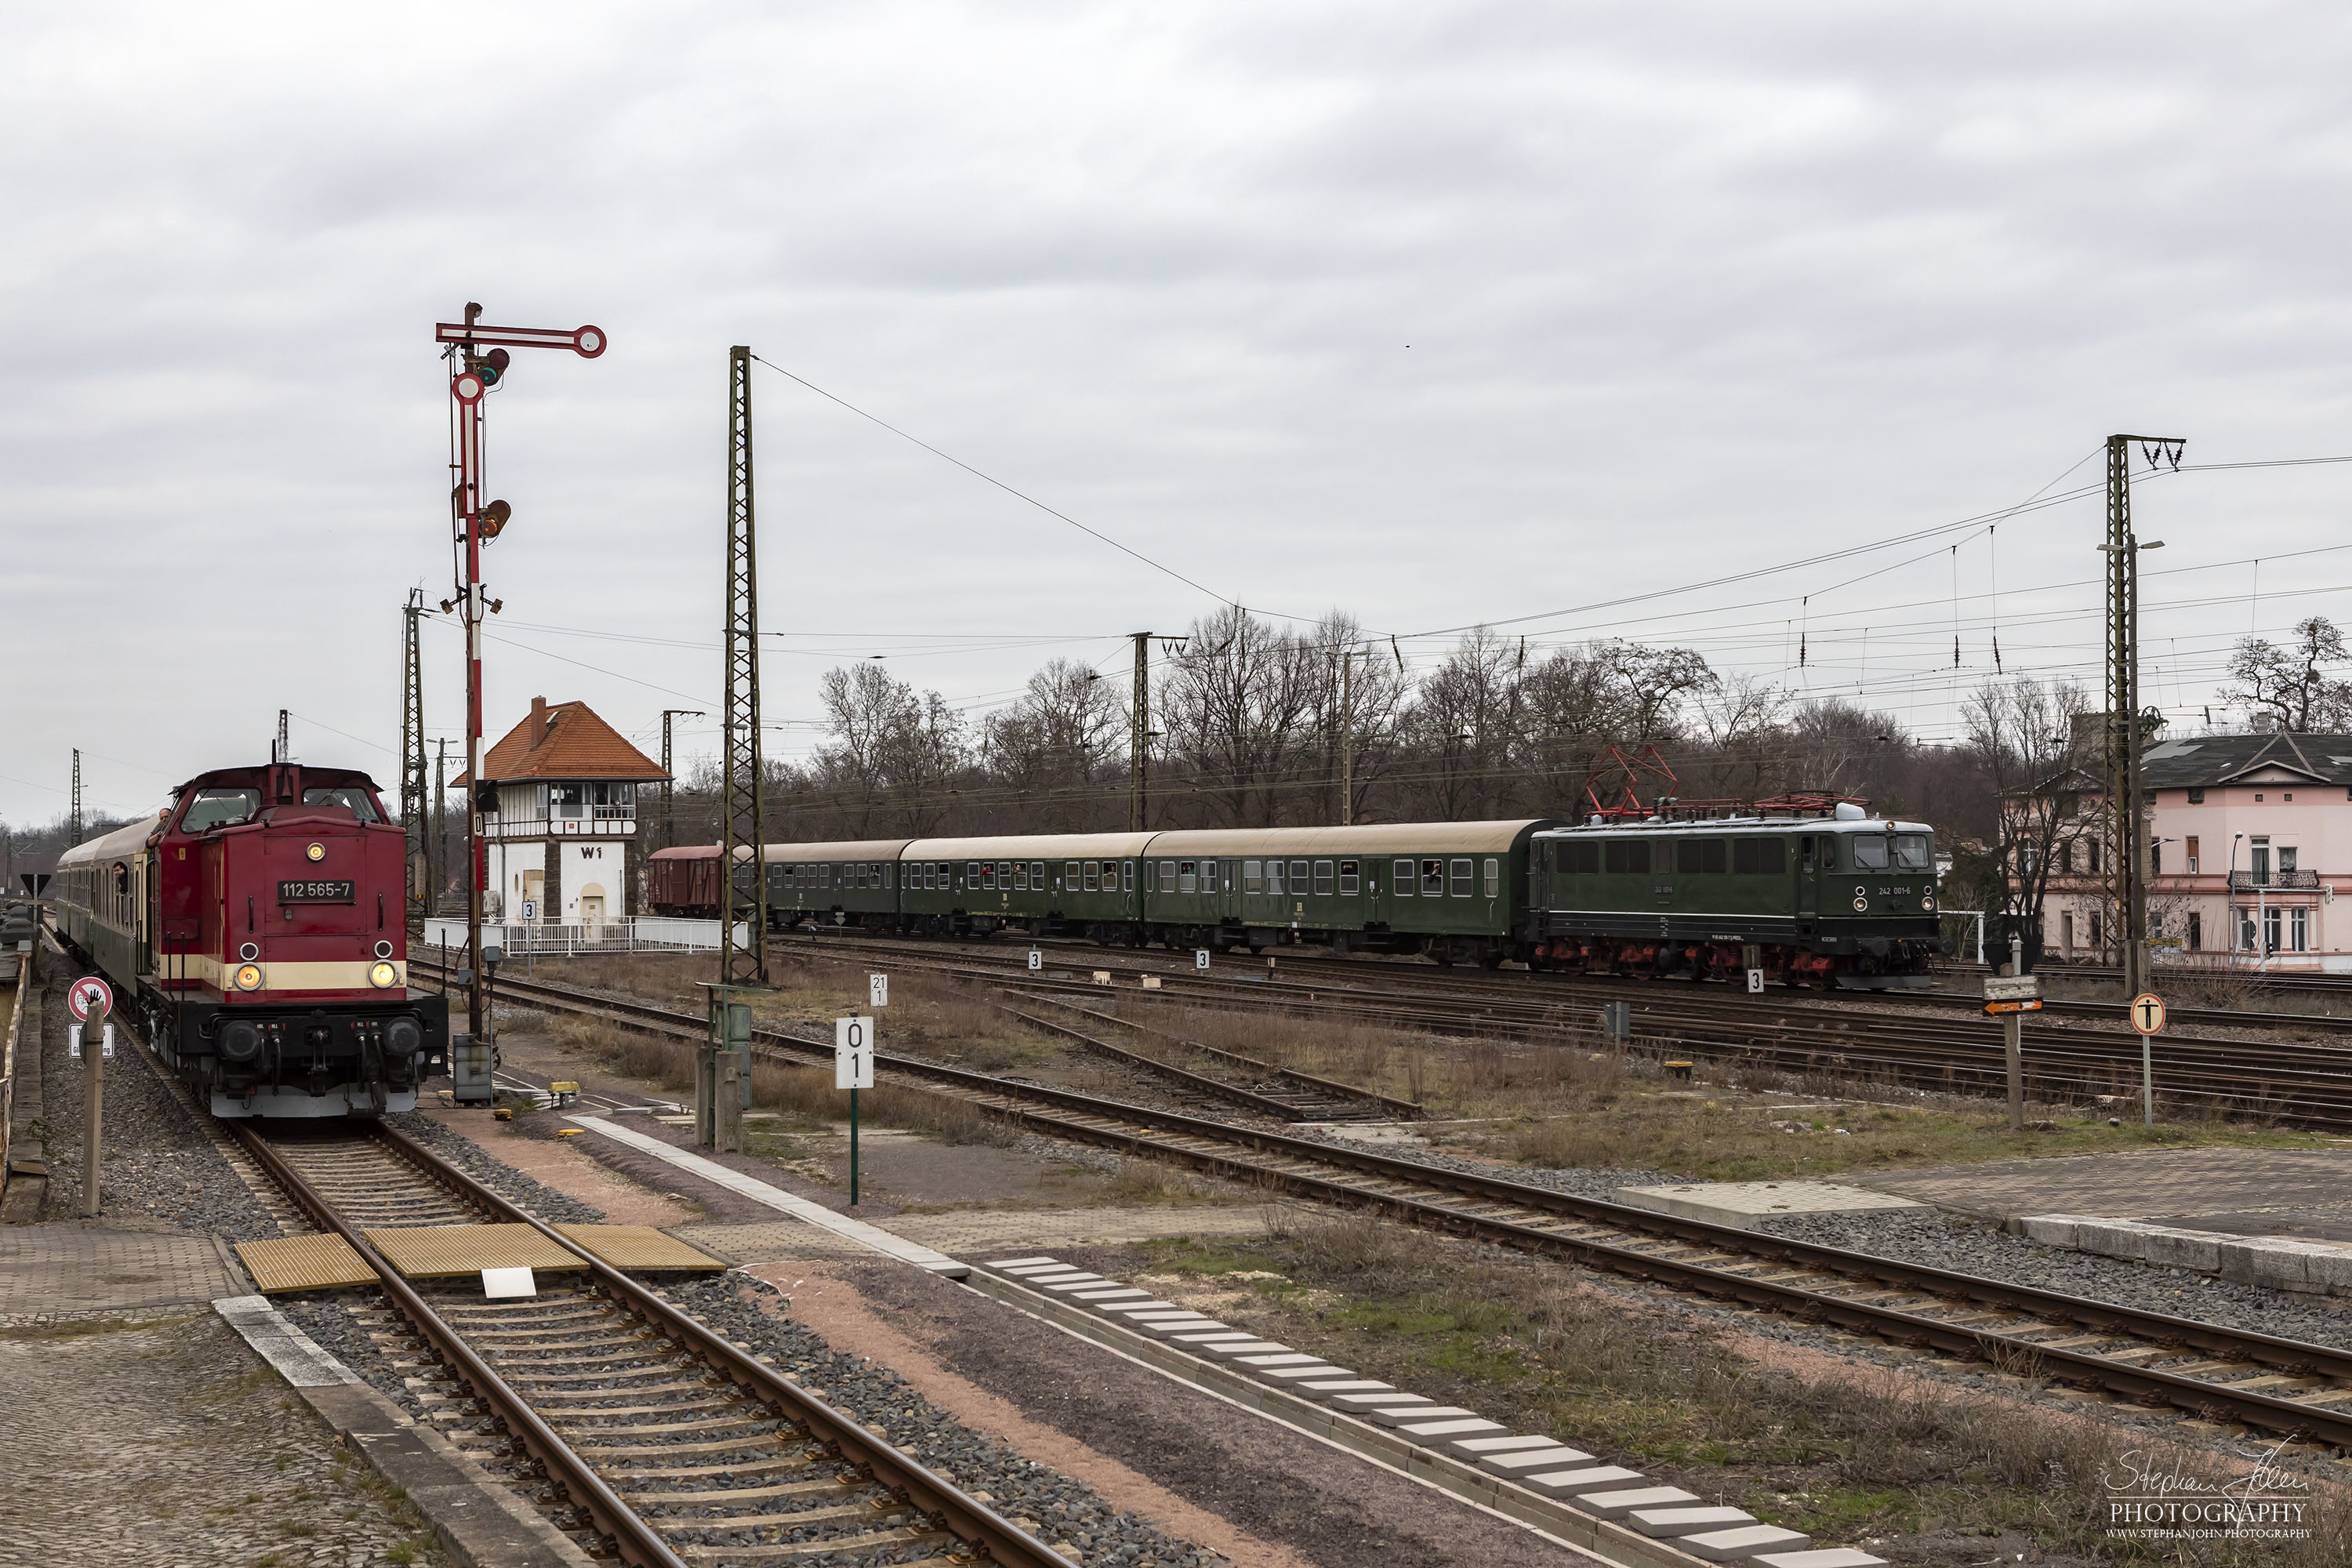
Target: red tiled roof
x,y
574,743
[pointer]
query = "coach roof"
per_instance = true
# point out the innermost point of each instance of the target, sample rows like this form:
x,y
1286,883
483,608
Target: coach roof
x,y
1377,839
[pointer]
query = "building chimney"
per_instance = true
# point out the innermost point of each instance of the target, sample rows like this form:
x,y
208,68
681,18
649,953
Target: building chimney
x,y
537,722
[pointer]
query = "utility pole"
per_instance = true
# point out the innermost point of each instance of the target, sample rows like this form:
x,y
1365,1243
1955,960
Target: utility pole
x,y
2126,827
481,357
438,858
741,826
412,755
73,823
668,816
1139,744
1348,734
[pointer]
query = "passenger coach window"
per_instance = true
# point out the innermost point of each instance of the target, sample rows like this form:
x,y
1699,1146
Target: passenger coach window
x,y
1869,852
1322,879
1208,876
1911,852
1628,855
1070,877
1274,878
219,808
1699,854
1094,876
1005,873
1433,879
1297,877
1188,877
1350,880
1401,880
1021,876
1494,878
987,873
1253,883
1038,876
1753,856
1461,879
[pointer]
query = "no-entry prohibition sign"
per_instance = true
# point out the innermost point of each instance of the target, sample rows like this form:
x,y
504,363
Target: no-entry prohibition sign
x,y
2148,1013
90,995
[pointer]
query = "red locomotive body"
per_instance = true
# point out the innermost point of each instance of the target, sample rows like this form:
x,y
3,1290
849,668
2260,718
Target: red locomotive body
x,y
261,921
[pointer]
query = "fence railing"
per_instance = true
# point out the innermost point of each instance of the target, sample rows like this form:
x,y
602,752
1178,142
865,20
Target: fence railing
x,y
2247,881
635,933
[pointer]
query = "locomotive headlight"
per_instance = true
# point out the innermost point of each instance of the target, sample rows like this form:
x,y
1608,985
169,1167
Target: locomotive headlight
x,y
1929,903
381,975
316,852
248,977
1861,904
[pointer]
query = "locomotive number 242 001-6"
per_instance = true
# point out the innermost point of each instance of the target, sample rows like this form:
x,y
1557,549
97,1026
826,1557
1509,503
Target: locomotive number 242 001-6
x,y
314,892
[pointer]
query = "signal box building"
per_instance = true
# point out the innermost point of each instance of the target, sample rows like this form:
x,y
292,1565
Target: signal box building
x,y
560,818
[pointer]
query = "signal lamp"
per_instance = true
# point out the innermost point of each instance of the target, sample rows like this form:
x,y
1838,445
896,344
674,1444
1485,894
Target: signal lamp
x,y
248,977
494,519
382,974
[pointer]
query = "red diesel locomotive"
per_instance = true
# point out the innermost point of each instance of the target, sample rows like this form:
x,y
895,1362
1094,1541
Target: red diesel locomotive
x,y
256,927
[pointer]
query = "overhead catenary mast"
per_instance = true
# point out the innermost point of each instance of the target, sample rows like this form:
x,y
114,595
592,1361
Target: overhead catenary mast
x,y
411,758
742,825
481,357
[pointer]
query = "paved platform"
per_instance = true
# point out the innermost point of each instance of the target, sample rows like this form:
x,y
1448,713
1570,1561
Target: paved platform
x,y
1742,1204
54,1271
2281,1191
972,1230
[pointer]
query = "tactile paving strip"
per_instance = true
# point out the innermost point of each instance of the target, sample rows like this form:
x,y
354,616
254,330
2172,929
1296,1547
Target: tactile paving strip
x,y
324,1262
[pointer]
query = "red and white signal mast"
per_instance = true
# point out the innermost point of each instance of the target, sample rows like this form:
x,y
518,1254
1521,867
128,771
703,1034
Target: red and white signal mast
x,y
480,356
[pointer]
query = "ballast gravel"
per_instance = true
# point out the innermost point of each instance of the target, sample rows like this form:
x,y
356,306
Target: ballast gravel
x,y
509,1183
1052,1506
1950,1242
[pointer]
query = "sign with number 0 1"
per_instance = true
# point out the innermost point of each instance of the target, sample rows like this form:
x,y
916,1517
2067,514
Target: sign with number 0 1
x,y
877,990
853,1053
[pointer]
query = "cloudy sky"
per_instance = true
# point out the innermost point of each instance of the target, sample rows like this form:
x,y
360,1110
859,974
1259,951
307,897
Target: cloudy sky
x,y
1438,313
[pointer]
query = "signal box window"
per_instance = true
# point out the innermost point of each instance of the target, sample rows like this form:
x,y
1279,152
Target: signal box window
x,y
1629,854
219,807
1758,857
1461,878
1699,854
1252,882
1433,879
1322,879
1401,880
1350,880
1094,876
1188,877
1494,878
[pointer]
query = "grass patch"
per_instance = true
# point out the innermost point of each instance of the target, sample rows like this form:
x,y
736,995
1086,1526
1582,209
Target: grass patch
x,y
1666,1392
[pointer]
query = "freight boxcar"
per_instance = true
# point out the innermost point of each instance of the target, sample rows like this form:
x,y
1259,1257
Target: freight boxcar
x,y
684,881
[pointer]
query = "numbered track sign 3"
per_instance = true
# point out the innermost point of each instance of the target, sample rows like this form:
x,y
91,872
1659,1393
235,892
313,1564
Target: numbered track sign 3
x,y
1036,959
853,1053
1199,958
877,990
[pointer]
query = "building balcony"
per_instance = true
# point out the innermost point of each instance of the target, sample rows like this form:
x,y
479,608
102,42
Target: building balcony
x,y
2274,881
496,829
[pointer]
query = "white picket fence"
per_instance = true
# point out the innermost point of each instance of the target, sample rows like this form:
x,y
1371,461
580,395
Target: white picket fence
x,y
639,933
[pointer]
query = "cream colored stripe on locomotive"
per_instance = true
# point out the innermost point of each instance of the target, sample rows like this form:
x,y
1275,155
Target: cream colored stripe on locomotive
x,y
206,970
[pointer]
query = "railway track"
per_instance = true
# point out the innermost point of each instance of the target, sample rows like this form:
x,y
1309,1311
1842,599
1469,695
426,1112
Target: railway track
x,y
2296,1082
2218,1375
658,1439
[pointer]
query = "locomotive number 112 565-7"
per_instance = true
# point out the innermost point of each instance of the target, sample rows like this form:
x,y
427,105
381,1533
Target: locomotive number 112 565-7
x,y
314,892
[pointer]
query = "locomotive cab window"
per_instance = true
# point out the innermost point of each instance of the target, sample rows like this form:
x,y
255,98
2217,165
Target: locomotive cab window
x,y
350,798
1350,880
1829,853
220,807
1911,852
1870,852
1401,880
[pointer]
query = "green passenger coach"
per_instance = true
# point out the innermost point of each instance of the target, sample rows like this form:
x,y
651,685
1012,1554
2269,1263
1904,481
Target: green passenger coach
x,y
1847,900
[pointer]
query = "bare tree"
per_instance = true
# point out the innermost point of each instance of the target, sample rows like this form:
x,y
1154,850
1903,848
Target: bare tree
x,y
892,752
2036,753
2283,687
1236,706
1056,745
1465,725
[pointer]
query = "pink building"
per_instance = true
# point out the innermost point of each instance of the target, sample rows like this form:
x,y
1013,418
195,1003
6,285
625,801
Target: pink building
x,y
2250,835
